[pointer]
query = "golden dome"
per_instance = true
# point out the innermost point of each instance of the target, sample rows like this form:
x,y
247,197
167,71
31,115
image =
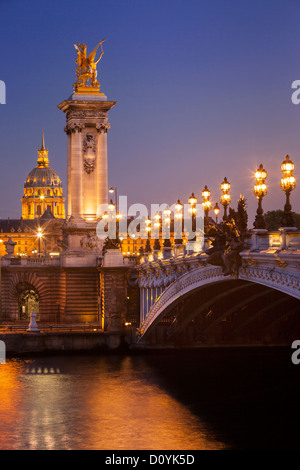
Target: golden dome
x,y
43,190
43,177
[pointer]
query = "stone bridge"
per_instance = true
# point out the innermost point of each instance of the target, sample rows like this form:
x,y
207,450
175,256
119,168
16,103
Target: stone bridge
x,y
186,300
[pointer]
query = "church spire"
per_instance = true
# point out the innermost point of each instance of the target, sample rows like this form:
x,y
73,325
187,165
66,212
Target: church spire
x,y
43,142
43,160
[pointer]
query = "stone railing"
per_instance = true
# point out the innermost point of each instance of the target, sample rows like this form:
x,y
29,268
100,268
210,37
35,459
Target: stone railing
x,y
33,262
271,259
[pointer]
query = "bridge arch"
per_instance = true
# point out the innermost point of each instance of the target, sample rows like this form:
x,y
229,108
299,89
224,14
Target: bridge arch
x,y
200,279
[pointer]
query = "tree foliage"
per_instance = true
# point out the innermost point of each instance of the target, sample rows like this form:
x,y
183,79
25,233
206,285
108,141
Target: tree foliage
x,y
273,219
240,215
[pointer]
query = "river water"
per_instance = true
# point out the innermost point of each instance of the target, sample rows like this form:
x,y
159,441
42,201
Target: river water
x,y
179,400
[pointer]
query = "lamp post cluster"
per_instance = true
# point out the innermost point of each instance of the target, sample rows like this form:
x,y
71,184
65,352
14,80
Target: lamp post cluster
x,y
288,183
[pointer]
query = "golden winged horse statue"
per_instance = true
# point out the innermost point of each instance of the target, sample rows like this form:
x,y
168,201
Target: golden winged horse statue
x,y
87,66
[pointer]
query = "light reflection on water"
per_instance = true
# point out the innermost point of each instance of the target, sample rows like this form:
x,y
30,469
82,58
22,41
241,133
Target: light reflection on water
x,y
88,402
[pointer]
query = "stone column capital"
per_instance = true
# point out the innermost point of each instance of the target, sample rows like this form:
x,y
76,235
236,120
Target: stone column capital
x,y
102,128
73,127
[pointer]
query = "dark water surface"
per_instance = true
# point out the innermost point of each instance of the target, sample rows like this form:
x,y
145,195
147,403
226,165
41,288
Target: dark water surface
x,y
181,400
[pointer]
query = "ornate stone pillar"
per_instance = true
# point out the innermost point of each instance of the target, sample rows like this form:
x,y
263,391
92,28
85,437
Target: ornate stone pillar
x,y
86,129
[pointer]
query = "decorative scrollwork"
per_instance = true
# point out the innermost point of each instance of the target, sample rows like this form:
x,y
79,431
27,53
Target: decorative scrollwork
x,y
89,150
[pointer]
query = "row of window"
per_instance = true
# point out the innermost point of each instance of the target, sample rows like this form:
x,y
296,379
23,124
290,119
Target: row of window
x,y
39,192
39,209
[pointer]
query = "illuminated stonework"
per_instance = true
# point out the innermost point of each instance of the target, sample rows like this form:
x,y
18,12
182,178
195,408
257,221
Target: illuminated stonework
x,y
43,190
86,128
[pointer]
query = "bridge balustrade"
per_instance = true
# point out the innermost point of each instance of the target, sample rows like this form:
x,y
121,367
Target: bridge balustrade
x,y
269,258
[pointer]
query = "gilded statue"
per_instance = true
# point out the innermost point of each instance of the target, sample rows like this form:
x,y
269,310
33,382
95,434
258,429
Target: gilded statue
x,y
87,66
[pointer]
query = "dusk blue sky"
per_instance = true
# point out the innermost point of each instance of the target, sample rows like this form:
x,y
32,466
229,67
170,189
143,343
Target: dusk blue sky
x,y
203,90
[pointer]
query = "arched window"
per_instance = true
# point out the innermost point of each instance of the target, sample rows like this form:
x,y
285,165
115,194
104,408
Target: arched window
x,y
28,300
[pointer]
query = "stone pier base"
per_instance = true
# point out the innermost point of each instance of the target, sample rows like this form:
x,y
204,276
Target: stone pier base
x,y
21,343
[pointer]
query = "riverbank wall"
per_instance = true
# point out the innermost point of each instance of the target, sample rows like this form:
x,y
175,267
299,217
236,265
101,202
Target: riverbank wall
x,y
21,343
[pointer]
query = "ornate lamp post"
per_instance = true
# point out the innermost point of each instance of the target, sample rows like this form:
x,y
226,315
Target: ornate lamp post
x,y
114,190
260,191
225,198
206,204
157,220
117,215
111,206
167,248
178,222
111,209
167,223
216,211
148,230
193,210
40,236
157,246
288,183
167,214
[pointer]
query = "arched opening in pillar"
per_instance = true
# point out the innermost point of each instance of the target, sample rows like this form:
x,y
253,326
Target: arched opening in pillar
x,y
28,300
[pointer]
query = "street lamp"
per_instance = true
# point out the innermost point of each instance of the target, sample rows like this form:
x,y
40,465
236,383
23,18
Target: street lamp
x,y
260,190
216,211
192,202
206,204
148,224
193,210
178,221
167,223
111,206
118,216
178,207
157,226
40,236
287,184
157,220
167,214
225,198
148,230
114,190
